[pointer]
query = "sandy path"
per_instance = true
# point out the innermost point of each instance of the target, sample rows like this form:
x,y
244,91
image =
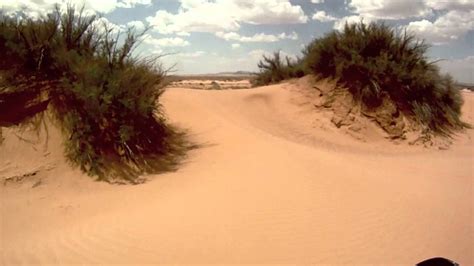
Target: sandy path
x,y
262,189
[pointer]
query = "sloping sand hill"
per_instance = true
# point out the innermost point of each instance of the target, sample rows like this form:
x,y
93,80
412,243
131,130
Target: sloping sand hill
x,y
272,182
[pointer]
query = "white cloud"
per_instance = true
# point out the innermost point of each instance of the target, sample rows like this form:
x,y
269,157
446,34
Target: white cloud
x,y
229,36
448,27
323,17
196,21
292,36
465,5
137,25
454,21
189,4
402,9
36,8
192,54
183,33
270,12
317,1
213,16
132,3
165,42
339,25
259,37
235,45
103,24
390,9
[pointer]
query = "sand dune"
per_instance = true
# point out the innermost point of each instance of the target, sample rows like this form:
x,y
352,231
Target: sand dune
x,y
273,182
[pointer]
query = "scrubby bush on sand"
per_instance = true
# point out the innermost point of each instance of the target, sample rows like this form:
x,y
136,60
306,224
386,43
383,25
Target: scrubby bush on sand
x,y
375,61
274,69
103,99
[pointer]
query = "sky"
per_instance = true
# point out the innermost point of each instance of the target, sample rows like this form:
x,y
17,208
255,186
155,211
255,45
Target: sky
x,y
211,36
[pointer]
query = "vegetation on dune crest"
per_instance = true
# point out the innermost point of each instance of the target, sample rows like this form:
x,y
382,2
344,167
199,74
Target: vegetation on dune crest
x,y
374,61
104,100
273,69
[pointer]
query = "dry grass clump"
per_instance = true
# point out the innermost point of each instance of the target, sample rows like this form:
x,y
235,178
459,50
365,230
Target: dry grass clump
x,y
104,99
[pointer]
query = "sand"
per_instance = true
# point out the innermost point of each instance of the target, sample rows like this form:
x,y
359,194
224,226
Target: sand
x,y
272,182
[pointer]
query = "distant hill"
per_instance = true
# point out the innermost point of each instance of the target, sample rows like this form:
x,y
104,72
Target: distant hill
x,y
237,73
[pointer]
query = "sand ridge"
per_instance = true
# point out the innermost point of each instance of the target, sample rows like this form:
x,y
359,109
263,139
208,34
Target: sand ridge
x,y
273,182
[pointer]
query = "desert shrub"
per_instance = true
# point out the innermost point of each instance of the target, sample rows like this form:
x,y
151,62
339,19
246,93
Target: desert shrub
x,y
274,69
375,60
215,85
103,98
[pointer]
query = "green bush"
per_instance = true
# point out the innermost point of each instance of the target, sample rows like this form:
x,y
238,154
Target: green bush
x,y
104,99
374,60
273,69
